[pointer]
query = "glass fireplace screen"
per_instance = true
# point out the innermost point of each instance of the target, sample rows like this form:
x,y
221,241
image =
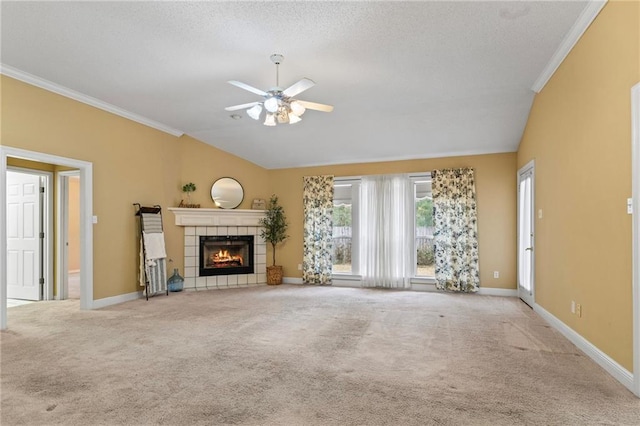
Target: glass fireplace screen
x,y
226,255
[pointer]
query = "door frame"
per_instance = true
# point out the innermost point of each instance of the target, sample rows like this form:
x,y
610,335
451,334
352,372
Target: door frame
x,y
62,221
530,166
635,185
47,213
86,222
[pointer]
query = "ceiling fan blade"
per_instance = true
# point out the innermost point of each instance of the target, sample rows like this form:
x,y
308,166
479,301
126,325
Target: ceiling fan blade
x,y
243,106
298,87
316,107
247,87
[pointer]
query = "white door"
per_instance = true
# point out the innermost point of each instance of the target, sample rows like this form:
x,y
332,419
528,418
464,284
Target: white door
x,y
23,236
525,234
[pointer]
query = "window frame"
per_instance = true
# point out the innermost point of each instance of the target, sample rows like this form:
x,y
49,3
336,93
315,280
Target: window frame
x,y
354,182
415,179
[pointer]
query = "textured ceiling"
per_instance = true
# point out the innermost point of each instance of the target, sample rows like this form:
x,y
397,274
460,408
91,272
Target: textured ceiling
x,y
407,79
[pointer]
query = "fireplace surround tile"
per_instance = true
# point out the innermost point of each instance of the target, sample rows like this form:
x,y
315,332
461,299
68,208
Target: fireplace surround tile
x,y
202,222
222,281
189,251
190,271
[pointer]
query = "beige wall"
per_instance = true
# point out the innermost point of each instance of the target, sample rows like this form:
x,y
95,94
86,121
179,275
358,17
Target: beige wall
x,y
203,165
131,163
496,196
579,133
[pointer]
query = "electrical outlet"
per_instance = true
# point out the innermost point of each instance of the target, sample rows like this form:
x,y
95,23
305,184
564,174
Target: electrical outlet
x,y
579,310
573,307
299,266
496,274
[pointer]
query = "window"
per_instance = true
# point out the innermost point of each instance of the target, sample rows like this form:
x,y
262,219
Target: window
x,y
345,202
425,262
345,225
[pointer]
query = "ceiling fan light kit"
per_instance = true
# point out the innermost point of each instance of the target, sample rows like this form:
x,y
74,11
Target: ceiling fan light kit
x,y
279,105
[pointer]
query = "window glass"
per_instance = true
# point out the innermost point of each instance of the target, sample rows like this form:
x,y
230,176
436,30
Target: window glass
x,y
425,262
342,229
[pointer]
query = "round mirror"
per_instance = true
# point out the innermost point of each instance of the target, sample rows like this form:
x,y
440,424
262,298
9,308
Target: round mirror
x,y
227,193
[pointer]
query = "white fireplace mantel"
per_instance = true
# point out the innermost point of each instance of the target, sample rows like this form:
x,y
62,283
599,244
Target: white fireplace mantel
x,y
217,217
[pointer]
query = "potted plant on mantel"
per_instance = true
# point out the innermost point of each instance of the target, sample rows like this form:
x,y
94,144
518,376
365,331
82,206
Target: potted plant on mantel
x,y
188,189
274,231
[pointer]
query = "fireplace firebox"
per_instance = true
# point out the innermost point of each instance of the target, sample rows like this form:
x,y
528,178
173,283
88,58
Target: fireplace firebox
x,y
226,255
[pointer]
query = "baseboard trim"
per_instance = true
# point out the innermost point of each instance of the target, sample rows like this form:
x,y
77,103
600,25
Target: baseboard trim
x,y
114,300
429,287
618,372
503,292
415,286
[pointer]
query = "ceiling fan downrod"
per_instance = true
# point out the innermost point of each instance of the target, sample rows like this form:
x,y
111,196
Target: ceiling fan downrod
x,y
277,59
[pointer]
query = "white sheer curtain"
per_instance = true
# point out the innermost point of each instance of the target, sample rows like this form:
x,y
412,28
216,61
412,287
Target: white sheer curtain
x,y
386,220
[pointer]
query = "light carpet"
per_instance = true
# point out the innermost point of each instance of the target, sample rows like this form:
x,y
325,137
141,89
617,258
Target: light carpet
x,y
300,355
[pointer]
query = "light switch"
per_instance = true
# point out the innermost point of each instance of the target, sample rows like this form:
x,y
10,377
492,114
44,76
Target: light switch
x,y
539,213
95,219
629,205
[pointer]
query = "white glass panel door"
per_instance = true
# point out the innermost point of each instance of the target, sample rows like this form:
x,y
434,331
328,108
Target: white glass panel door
x,y
525,234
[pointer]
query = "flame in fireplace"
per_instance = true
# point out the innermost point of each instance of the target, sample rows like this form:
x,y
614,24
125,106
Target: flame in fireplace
x,y
222,258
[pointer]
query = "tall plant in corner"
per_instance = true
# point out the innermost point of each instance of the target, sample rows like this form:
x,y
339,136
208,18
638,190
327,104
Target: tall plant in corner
x,y
274,231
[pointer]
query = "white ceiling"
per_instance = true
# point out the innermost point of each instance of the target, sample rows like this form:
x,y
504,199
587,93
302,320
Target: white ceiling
x,y
407,79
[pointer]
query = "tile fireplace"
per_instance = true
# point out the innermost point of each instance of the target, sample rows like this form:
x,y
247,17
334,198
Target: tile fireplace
x,y
222,248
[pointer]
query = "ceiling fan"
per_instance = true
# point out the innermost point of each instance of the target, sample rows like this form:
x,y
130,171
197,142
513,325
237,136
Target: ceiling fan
x,y
279,105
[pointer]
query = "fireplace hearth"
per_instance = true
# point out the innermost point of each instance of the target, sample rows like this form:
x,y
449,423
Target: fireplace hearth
x,y
226,255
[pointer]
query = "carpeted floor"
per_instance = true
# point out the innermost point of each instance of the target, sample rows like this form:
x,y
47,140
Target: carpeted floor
x,y
298,355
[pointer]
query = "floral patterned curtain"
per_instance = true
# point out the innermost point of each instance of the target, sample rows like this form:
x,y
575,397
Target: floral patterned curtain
x,y
456,233
317,197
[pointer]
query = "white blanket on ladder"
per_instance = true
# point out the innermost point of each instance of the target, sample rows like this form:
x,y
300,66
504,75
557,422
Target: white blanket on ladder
x,y
153,265
154,245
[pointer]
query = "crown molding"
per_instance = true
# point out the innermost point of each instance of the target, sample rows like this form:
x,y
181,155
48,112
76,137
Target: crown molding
x,y
579,27
80,97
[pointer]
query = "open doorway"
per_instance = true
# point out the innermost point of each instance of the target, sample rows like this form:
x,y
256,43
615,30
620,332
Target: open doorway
x,y
68,235
85,170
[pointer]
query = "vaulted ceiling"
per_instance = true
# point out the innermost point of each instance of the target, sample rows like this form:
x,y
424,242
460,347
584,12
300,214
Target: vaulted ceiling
x,y
407,79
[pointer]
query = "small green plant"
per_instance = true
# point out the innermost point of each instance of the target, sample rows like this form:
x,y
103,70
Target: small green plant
x,y
274,225
188,189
